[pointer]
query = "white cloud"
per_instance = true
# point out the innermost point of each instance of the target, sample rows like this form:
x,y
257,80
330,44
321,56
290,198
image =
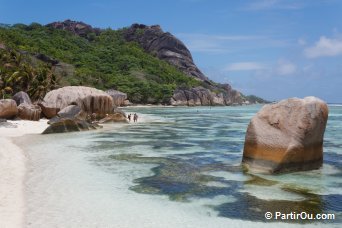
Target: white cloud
x,y
281,68
324,47
285,68
245,66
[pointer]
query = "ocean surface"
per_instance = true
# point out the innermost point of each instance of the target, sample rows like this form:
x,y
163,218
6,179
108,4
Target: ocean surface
x,y
179,167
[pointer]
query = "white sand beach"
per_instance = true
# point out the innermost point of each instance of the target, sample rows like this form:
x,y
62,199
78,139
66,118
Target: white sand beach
x,y
13,163
13,169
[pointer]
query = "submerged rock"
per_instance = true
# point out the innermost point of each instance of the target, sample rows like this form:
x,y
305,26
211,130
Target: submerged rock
x,y
8,108
286,136
29,112
90,100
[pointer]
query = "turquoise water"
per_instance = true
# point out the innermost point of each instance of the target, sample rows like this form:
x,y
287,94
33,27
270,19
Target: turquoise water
x,y
185,161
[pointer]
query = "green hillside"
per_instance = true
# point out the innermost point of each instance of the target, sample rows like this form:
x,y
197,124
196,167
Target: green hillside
x,y
103,61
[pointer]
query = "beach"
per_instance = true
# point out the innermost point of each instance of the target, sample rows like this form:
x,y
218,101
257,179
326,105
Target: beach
x,y
13,171
13,167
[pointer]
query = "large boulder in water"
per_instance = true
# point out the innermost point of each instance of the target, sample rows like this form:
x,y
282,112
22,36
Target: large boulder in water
x,y
286,136
29,112
8,108
90,100
21,97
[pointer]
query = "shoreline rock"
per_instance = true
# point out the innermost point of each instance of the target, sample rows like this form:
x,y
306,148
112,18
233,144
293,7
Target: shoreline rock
x,y
119,98
8,108
199,96
114,118
29,112
286,136
22,97
65,125
90,100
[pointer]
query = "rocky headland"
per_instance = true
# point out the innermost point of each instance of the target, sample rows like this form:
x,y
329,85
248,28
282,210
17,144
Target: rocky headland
x,y
162,72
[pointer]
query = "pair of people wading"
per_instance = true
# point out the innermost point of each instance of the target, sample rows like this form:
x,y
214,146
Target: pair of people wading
x,y
135,117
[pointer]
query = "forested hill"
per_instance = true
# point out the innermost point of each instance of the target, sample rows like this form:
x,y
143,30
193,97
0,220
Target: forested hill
x,y
149,65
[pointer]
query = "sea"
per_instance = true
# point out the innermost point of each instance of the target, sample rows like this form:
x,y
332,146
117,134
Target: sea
x,y
175,167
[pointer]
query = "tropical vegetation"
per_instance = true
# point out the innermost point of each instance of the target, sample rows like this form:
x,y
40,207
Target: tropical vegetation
x,y
104,61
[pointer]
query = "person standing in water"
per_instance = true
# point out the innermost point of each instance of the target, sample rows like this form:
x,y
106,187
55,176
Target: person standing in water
x,y
129,117
135,117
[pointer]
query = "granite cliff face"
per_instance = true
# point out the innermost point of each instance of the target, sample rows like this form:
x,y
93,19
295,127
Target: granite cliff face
x,y
165,46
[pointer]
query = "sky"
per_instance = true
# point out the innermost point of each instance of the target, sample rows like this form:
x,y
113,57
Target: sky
x,y
274,49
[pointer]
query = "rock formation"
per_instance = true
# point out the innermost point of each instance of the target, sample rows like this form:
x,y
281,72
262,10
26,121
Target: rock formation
x,y
165,46
119,98
90,100
26,110
29,112
114,118
76,27
64,125
168,48
48,111
8,108
21,97
72,111
201,96
286,136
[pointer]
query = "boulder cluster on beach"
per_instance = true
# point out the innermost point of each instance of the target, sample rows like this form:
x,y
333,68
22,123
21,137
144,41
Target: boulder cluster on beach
x,y
71,108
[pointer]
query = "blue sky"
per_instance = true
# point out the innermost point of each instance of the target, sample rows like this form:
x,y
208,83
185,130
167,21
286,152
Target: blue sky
x,y
271,48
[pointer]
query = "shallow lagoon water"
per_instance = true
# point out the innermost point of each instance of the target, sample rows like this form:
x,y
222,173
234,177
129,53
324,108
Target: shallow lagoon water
x,y
179,168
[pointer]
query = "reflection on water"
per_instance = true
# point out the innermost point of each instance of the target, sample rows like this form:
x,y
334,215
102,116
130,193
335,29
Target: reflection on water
x,y
197,154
